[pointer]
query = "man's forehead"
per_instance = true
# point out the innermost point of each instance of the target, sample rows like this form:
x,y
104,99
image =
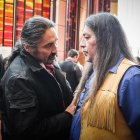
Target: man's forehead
x,y
51,34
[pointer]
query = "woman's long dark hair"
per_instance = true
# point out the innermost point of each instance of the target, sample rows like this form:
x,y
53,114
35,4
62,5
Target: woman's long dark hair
x,y
110,44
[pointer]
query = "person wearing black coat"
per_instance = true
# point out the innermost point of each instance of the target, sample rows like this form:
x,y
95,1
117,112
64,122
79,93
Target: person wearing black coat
x,y
1,66
71,68
36,101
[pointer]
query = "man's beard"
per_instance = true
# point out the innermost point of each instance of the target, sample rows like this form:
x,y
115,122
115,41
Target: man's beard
x,y
51,58
46,60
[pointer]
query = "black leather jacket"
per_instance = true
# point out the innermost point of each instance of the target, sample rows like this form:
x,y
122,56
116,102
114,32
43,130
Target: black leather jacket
x,y
34,102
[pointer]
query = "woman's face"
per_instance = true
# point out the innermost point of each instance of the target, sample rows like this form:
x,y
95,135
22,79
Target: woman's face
x,y
88,44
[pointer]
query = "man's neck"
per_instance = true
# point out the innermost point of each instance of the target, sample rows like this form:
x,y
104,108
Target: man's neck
x,y
42,64
70,58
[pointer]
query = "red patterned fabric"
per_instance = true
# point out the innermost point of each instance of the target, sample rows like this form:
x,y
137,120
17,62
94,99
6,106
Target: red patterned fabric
x,y
50,68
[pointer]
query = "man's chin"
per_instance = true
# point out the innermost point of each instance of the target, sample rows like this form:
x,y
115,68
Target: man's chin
x,y
88,59
50,62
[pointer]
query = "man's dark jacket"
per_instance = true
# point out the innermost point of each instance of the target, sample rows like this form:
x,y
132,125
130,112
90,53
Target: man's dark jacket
x,y
73,72
34,102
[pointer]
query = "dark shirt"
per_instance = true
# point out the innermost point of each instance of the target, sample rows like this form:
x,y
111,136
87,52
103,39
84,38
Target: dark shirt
x,y
73,72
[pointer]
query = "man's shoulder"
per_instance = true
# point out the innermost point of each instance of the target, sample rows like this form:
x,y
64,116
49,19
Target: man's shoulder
x,y
67,63
17,63
132,71
17,67
131,74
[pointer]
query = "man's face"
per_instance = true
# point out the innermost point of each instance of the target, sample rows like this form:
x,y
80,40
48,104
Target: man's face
x,y
46,50
88,44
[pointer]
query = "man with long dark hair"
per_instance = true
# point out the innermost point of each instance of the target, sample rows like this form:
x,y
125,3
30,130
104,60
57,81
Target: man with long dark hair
x,y
109,104
36,97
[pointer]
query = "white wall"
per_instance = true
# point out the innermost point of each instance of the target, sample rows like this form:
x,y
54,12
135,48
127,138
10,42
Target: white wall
x,y
129,16
5,51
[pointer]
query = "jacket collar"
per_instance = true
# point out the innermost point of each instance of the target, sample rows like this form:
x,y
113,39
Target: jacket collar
x,y
31,61
115,68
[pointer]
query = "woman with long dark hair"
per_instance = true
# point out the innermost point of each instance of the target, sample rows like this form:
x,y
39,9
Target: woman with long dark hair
x,y
109,104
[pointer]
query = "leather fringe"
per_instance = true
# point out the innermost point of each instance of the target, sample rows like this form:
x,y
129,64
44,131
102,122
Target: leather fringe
x,y
102,111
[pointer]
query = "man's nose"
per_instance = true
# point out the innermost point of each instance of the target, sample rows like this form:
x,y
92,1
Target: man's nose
x,y
83,43
54,49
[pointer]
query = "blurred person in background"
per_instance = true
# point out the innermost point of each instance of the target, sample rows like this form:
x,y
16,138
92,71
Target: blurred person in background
x,y
1,66
71,69
138,60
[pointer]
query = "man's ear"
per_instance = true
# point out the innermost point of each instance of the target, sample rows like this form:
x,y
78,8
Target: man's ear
x,y
75,59
27,48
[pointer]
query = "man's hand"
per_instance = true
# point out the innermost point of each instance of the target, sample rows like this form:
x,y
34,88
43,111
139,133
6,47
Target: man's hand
x,y
71,108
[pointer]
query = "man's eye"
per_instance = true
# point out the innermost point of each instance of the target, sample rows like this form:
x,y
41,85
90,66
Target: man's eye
x,y
86,37
48,45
